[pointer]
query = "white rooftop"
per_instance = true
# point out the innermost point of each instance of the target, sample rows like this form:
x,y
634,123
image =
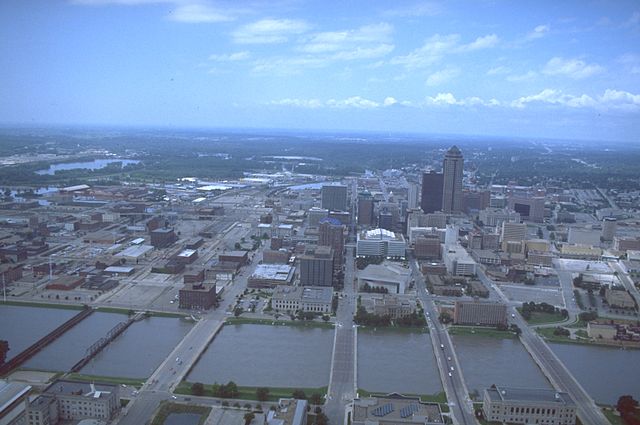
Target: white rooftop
x,y
379,234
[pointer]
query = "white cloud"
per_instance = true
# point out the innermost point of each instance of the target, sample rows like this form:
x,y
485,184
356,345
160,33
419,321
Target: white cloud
x,y
444,99
187,11
269,31
388,101
538,32
199,13
442,76
353,102
479,43
366,42
572,68
527,76
300,103
610,101
230,57
432,51
436,47
498,70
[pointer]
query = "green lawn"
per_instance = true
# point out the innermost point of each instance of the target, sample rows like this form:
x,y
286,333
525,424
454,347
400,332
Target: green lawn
x,y
43,305
106,379
541,318
613,418
249,393
481,331
166,408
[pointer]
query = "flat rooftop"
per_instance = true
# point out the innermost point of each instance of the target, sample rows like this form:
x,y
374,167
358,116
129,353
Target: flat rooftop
x,y
272,272
65,387
535,395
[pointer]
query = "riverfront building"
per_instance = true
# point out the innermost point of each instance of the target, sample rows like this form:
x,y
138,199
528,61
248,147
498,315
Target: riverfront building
x,y
316,267
73,400
528,406
479,313
313,299
198,295
394,409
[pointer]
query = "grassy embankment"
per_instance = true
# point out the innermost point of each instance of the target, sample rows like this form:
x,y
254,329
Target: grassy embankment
x,y
249,393
481,331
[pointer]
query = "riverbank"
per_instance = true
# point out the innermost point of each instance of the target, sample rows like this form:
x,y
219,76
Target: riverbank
x,y
398,329
106,379
270,322
249,393
547,334
481,331
42,305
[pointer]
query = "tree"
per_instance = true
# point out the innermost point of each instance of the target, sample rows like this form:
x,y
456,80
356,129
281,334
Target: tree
x,y
262,393
315,398
4,348
626,404
237,245
325,317
299,394
321,419
445,318
237,311
232,389
197,388
248,417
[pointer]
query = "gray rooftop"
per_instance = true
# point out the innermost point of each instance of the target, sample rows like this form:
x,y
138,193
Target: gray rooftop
x,y
65,387
535,395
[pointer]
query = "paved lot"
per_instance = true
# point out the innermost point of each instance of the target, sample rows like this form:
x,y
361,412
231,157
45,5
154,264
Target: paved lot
x,y
548,295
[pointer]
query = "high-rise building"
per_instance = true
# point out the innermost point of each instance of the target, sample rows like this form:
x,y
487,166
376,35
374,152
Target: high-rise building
x,y
334,197
331,233
609,225
452,181
365,209
412,196
432,184
316,267
514,234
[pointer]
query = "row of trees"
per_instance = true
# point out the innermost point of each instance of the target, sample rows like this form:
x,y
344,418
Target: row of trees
x,y
230,390
374,289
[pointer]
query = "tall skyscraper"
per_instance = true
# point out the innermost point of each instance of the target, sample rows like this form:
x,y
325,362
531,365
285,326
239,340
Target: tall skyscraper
x,y
431,192
452,182
331,233
365,209
334,198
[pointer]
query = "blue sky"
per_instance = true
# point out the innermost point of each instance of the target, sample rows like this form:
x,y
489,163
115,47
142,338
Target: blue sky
x,y
558,69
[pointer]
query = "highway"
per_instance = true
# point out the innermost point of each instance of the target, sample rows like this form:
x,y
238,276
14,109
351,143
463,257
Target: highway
x,y
453,382
559,376
342,382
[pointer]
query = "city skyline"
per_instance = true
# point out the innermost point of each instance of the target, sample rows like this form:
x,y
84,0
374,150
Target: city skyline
x,y
566,71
